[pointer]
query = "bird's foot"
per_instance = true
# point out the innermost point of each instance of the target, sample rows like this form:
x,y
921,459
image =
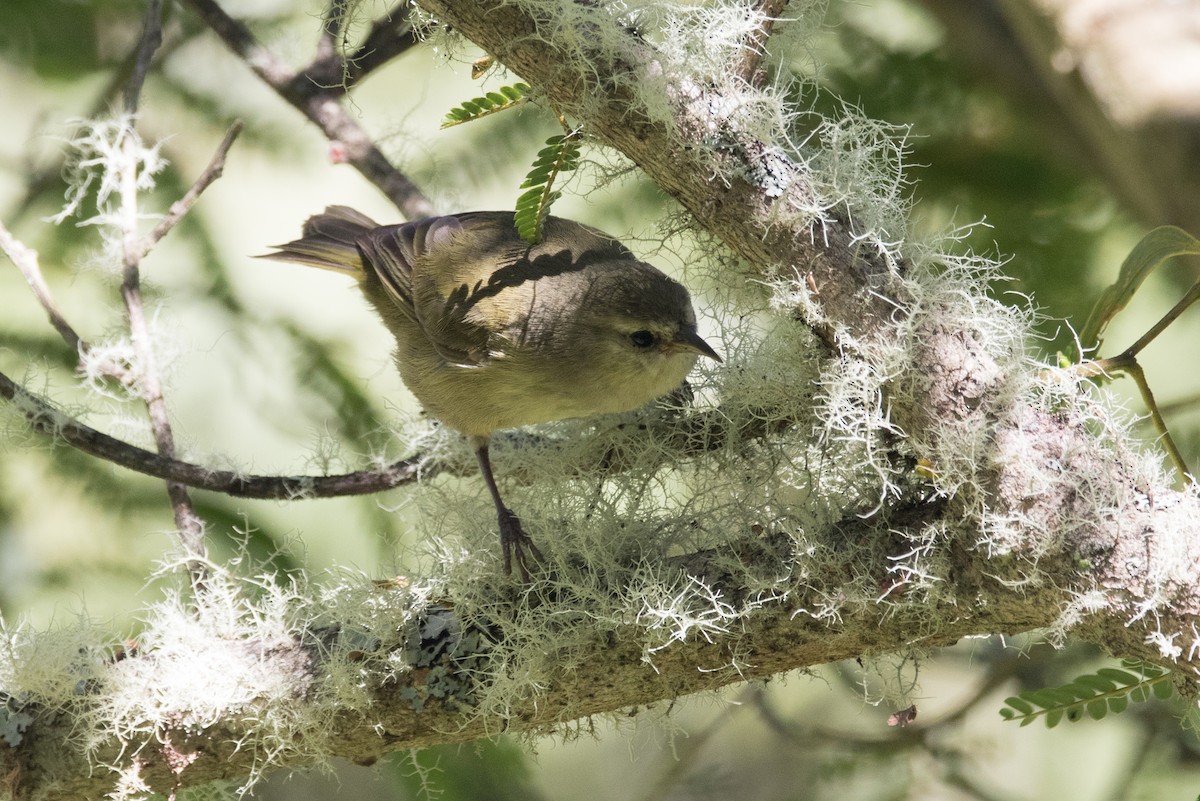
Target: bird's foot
x,y
516,545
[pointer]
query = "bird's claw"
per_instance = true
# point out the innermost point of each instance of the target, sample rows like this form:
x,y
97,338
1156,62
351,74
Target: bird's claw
x,y
516,545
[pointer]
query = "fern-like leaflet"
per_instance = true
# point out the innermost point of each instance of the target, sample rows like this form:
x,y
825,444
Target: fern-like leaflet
x,y
502,99
561,154
1094,694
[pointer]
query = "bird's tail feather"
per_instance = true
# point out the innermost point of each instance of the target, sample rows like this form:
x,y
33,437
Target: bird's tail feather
x,y
329,241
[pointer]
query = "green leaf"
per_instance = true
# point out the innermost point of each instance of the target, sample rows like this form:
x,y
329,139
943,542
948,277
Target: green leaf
x,y
503,98
1046,698
1155,248
1119,676
1092,695
1019,704
514,92
1097,683
560,154
1065,695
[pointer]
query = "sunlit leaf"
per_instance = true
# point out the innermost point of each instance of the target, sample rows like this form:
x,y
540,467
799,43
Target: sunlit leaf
x,y
1155,248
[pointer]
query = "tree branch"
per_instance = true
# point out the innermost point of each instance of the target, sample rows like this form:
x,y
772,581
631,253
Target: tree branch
x,y
148,383
319,99
45,419
26,260
214,170
951,383
435,700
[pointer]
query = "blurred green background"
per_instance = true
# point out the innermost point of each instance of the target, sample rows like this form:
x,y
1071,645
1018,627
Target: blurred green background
x,y
278,369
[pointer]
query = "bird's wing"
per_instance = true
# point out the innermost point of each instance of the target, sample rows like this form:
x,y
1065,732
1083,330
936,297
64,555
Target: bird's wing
x,y
469,280
429,269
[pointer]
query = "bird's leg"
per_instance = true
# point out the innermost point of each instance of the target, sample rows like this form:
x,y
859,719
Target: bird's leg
x,y
514,542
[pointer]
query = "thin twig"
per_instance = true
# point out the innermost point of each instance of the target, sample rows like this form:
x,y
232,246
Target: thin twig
x,y
1183,404
333,72
695,434
321,105
1126,362
191,527
1167,319
1134,371
148,384
389,36
756,44
26,259
148,44
42,417
181,207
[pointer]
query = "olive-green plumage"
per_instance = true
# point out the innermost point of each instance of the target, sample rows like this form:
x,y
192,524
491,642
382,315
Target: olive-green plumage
x,y
493,332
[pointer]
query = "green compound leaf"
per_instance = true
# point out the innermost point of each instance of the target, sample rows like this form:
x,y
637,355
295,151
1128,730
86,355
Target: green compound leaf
x,y
1119,676
1097,683
561,154
1019,707
1155,248
502,99
1095,695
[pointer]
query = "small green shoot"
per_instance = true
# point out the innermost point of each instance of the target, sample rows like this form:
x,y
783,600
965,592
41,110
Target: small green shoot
x,y
1155,248
561,154
1092,695
502,99
1147,255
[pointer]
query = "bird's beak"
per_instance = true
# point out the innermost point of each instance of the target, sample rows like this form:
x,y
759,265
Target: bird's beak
x,y
688,339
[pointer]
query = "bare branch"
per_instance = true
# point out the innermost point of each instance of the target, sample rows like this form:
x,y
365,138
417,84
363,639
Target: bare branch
x,y
148,383
26,259
181,207
389,36
333,70
321,105
148,45
45,419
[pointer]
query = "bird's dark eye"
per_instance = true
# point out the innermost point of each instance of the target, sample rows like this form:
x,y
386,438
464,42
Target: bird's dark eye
x,y
641,339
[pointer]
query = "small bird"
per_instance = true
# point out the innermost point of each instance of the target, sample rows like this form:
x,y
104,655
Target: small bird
x,y
493,332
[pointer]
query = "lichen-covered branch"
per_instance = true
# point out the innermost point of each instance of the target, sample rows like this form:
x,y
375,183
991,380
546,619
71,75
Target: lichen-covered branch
x,y
404,672
1041,480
